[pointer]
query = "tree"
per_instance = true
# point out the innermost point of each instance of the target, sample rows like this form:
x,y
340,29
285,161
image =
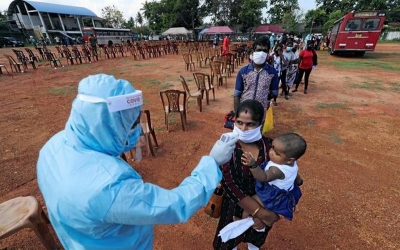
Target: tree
x,y
250,14
112,17
337,14
139,19
315,18
291,21
281,7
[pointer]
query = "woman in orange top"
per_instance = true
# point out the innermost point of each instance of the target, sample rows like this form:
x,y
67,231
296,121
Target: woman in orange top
x,y
307,62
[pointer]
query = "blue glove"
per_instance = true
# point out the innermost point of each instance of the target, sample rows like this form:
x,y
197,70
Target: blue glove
x,y
223,148
314,67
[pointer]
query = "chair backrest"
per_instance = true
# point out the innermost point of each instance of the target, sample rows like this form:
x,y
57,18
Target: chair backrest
x,y
200,79
187,57
10,59
173,100
184,84
216,67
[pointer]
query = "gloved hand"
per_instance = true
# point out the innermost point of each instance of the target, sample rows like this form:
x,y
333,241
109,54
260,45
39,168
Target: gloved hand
x,y
223,148
314,67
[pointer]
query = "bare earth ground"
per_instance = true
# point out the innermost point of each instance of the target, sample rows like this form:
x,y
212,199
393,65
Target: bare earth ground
x,y
350,119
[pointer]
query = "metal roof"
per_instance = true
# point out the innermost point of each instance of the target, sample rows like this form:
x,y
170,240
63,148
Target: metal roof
x,y
57,8
269,28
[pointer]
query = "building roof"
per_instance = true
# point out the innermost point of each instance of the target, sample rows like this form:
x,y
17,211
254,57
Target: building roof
x,y
219,30
176,31
55,8
269,28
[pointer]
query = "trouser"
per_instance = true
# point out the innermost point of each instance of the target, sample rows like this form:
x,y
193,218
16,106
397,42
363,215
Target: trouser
x,y
283,81
302,72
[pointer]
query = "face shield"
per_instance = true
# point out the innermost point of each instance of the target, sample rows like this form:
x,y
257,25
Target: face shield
x,y
120,103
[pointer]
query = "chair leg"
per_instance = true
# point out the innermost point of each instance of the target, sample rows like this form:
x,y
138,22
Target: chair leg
x,y
149,144
39,225
199,102
213,91
207,98
153,134
183,115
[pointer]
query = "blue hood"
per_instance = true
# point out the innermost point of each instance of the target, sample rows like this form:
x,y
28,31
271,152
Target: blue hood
x,y
91,125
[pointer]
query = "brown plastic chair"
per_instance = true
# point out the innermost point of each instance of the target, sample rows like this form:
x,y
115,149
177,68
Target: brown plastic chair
x,y
191,94
204,85
54,61
216,72
4,67
174,101
15,66
188,61
25,212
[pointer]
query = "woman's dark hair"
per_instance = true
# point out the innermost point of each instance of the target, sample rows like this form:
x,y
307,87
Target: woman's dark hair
x,y
255,108
294,145
261,41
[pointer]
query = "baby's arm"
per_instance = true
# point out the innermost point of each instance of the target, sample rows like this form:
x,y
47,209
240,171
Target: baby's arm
x,y
273,173
298,180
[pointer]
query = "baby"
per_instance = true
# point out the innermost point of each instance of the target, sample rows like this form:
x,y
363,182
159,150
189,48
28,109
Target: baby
x,y
277,182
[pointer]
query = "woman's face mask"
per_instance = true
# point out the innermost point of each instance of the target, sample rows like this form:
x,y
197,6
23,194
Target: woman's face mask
x,y
289,49
259,57
248,136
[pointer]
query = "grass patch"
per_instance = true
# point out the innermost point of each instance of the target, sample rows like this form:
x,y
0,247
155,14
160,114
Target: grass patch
x,y
364,64
296,109
310,123
153,81
336,139
62,91
166,85
138,65
333,105
372,85
394,86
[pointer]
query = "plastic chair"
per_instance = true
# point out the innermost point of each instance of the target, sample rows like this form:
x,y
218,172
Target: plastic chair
x,y
216,72
188,61
148,131
25,212
174,101
200,79
4,67
190,94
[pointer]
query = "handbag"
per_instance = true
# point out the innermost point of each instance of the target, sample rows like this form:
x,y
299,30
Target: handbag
x,y
213,207
269,121
229,120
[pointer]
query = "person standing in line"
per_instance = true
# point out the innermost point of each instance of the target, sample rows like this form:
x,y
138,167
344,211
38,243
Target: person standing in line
x,y
239,184
95,199
293,67
279,62
257,80
225,45
289,58
307,62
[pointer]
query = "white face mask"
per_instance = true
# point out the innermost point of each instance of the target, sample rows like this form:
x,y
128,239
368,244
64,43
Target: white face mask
x,y
248,136
259,57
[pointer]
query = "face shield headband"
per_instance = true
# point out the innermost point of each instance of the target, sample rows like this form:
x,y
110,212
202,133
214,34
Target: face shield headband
x,y
116,103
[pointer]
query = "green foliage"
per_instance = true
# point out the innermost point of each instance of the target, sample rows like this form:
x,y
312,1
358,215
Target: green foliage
x,y
281,7
112,17
346,6
172,13
337,14
250,14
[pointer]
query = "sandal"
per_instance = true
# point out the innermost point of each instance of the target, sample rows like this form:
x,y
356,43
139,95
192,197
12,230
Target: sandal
x,y
295,90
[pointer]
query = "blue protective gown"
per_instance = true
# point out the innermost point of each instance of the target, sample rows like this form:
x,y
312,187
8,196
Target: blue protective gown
x,y
95,200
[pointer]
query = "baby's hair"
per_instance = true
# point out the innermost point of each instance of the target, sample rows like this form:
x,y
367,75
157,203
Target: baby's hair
x,y
294,145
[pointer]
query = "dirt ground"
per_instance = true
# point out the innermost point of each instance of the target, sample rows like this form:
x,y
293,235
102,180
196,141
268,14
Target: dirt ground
x,y
350,119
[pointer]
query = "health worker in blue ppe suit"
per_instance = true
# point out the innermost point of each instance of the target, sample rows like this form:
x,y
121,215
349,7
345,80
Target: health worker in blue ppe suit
x,y
96,200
